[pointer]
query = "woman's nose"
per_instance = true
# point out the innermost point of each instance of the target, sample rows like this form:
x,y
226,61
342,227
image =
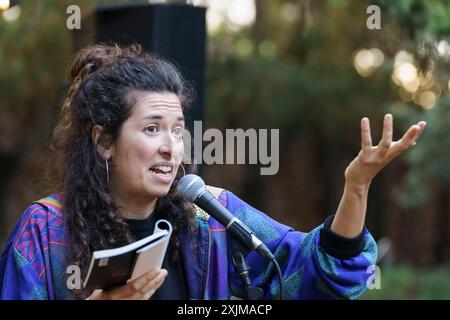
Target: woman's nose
x,y
167,144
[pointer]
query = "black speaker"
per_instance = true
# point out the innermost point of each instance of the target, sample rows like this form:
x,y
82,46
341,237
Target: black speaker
x,y
177,32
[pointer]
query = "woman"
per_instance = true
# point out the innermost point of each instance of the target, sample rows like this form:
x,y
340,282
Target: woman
x,y
119,149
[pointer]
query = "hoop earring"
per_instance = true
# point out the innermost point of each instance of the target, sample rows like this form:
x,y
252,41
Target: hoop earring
x,y
107,171
184,171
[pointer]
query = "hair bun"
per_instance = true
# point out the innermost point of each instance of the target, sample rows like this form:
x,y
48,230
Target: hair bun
x,y
98,56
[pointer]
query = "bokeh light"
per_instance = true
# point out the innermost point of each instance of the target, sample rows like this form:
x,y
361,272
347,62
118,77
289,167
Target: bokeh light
x,y
267,49
443,48
406,72
242,13
367,60
234,14
420,87
11,14
4,4
290,12
214,20
427,99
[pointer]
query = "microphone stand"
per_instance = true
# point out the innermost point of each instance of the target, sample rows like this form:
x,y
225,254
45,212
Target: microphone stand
x,y
242,268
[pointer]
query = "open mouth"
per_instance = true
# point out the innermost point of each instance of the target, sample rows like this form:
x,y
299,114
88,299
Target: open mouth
x,y
162,171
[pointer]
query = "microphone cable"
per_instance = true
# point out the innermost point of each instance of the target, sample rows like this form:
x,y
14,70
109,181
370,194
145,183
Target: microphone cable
x,y
280,276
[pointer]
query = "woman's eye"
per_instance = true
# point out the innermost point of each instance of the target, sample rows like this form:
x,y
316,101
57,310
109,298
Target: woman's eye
x,y
178,132
151,129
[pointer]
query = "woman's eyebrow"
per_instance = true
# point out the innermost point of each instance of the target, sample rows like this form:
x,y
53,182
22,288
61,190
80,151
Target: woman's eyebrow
x,y
159,117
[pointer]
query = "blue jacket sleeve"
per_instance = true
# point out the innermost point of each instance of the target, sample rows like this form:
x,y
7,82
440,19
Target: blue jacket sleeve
x,y
18,278
309,270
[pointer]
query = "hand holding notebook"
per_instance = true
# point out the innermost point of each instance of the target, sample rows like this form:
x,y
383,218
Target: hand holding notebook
x,y
115,267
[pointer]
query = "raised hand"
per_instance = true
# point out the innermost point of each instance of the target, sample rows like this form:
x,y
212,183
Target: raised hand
x,y
371,159
350,215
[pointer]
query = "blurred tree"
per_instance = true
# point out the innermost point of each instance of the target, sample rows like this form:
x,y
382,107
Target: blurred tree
x,y
294,70
35,50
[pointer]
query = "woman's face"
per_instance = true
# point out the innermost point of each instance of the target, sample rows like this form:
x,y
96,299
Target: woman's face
x,y
149,148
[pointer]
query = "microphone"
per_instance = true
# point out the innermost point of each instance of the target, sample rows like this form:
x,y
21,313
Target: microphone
x,y
193,189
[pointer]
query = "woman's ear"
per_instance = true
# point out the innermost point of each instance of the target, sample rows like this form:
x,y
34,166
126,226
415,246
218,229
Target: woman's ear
x,y
102,142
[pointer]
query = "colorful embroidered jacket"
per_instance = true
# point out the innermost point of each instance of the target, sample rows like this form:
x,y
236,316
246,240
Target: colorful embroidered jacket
x,y
33,264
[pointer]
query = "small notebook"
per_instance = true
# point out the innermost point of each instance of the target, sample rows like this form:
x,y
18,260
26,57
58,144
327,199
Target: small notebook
x,y
115,267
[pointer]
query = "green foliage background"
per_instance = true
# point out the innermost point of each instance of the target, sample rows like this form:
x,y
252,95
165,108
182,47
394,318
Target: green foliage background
x,y
297,76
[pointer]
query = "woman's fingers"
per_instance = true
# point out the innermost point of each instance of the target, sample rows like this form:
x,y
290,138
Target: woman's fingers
x,y
413,133
155,284
388,149
386,140
132,290
366,139
408,140
141,288
421,125
139,283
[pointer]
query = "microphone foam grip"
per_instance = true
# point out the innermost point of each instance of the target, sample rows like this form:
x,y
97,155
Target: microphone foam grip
x,y
189,186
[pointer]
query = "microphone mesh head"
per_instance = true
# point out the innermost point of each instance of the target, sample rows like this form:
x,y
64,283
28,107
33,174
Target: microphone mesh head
x,y
189,185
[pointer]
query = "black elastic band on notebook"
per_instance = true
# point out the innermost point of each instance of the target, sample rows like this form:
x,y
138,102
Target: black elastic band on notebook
x,y
338,246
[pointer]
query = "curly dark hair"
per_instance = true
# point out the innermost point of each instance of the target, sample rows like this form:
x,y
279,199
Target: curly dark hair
x,y
102,79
